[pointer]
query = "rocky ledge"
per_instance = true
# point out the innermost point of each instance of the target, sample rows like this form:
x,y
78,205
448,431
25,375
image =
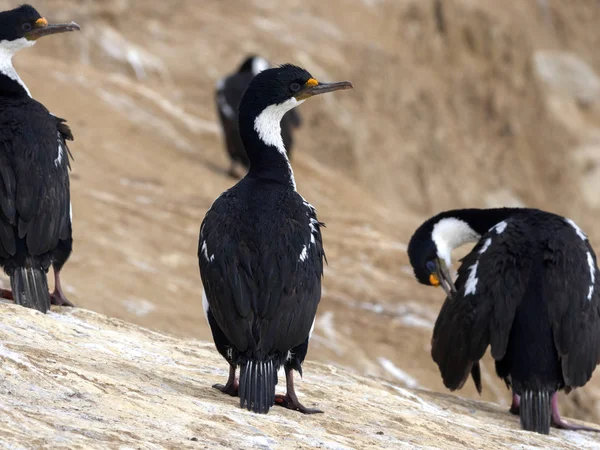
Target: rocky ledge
x,y
77,379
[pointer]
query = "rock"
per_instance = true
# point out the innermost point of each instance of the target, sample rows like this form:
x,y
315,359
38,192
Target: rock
x,y
567,73
78,379
448,111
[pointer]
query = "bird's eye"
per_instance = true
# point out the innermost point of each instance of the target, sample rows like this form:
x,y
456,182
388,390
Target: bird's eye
x,y
431,266
26,27
295,87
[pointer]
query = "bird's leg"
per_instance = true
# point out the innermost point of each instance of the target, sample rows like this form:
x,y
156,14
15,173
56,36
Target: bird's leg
x,y
289,400
558,422
58,296
232,386
515,408
6,293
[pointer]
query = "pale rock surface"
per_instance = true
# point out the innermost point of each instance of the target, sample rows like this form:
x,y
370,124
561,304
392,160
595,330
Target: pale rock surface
x,y
450,110
77,379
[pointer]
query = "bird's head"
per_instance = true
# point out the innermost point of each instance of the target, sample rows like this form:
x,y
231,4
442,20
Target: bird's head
x,y
430,247
429,268
273,92
22,26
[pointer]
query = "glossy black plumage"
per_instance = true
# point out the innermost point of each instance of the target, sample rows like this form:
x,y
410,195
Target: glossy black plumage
x,y
530,290
257,265
228,95
34,193
263,298
261,253
35,224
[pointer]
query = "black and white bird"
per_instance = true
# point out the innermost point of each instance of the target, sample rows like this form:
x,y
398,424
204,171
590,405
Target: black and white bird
x,y
530,289
229,92
35,210
261,253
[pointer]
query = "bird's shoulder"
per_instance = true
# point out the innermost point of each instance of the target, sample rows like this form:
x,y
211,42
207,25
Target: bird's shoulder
x,y
26,116
254,199
261,215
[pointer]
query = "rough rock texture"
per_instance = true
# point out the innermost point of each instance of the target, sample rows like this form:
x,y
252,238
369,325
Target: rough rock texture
x,y
78,379
457,103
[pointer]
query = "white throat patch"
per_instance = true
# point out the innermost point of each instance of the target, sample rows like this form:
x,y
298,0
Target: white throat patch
x,y
268,127
450,233
7,51
259,64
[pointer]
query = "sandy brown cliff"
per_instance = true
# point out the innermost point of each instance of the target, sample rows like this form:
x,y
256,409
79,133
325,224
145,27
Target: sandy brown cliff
x,y
77,379
456,103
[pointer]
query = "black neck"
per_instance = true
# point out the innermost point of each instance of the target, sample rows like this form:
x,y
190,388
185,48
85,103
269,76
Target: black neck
x,y
266,161
10,87
480,220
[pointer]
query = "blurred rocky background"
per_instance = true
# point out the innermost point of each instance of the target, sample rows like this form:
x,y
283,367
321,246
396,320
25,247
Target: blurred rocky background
x,y
457,103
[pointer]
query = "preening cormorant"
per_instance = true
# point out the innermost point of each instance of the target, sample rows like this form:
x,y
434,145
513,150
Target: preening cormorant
x,y
229,91
529,289
35,211
261,253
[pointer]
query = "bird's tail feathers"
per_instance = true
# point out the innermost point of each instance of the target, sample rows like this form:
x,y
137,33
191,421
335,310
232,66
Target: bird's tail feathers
x,y
257,385
30,288
536,411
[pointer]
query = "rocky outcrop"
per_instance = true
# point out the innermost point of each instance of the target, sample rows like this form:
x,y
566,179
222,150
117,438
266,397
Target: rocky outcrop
x,y
78,379
457,103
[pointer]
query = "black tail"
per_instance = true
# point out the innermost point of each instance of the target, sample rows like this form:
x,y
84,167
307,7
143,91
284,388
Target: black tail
x,y
536,411
30,288
257,385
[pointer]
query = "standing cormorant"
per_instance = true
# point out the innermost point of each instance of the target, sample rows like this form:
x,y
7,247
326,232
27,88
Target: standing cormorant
x,y
260,251
229,92
35,222
530,289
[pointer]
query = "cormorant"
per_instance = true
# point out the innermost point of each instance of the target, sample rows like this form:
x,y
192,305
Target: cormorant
x,y
35,222
229,91
530,289
261,253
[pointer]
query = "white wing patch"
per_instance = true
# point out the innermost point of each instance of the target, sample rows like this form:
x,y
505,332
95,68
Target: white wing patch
x,y
590,261
487,244
312,225
578,230
303,254
205,305
61,150
471,285
204,250
499,227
